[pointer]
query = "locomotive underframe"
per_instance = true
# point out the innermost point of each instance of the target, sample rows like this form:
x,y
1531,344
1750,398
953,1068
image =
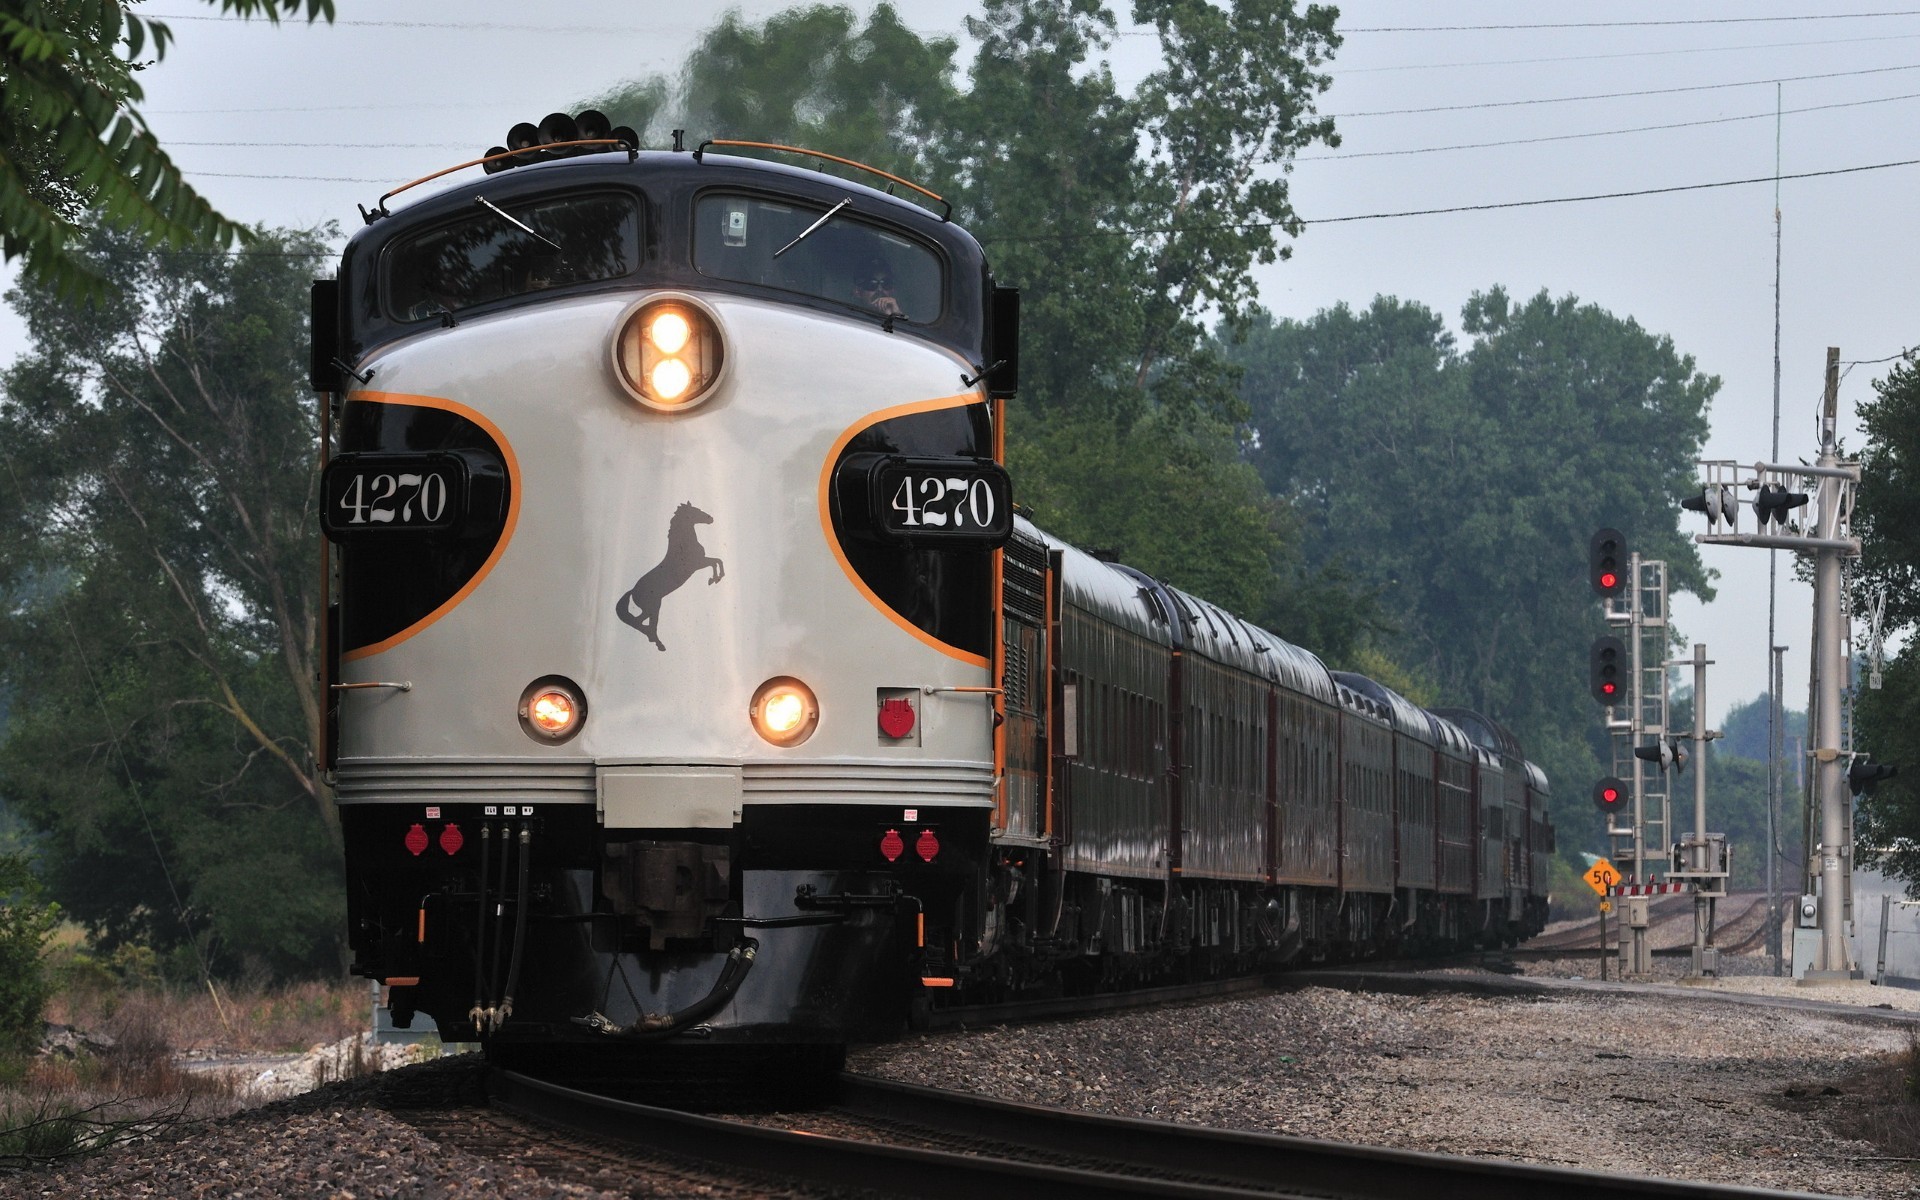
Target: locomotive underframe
x,y
616,932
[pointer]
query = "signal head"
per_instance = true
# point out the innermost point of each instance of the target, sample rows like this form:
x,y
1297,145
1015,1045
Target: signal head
x,y
1607,670
1864,775
1610,795
1607,562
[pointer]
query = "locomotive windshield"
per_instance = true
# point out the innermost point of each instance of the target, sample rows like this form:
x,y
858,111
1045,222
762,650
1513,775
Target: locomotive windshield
x,y
820,251
511,249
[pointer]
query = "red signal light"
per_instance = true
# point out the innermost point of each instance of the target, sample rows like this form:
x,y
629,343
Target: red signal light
x,y
1609,795
1609,688
891,845
1609,580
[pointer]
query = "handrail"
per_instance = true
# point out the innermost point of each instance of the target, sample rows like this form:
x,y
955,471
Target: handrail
x,y
475,162
947,208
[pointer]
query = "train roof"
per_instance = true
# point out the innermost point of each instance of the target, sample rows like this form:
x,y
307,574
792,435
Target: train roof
x,y
1407,717
1484,731
1448,736
1102,587
1144,605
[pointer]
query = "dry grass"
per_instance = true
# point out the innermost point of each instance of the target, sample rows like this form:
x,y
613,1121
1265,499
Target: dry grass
x,y
278,1020
157,1073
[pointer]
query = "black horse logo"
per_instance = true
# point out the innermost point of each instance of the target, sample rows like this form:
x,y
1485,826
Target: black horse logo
x,y
640,607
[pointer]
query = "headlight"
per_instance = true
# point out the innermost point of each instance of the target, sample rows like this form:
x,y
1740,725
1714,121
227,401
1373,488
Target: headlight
x,y
552,709
668,354
784,711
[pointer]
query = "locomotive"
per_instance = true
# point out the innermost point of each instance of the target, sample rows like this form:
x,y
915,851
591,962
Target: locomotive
x,y
693,689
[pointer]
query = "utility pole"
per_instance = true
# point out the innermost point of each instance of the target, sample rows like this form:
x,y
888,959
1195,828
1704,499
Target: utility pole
x,y
1781,488
1701,859
1776,737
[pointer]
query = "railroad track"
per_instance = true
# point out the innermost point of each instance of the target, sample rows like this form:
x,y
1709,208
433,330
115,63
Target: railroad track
x,y
901,1140
1669,911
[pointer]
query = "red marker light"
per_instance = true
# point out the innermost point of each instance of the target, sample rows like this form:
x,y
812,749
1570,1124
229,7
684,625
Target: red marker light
x,y
891,845
417,840
896,717
928,846
451,839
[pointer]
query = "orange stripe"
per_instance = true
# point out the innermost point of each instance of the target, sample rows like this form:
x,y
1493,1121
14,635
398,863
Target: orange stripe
x,y
423,925
833,543
506,530
935,981
920,935
402,981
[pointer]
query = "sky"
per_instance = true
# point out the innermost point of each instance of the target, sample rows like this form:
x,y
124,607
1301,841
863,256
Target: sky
x,y
294,125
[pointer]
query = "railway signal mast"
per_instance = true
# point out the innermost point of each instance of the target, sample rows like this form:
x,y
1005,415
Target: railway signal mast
x,y
1780,490
1633,686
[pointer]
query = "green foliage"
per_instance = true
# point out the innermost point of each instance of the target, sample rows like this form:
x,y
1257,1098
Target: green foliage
x,y
156,510
1461,486
1745,728
807,77
25,922
73,145
1123,218
1887,721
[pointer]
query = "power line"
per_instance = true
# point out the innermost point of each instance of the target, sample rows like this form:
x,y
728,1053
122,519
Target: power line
x,y
1661,191
1527,62
1462,208
1567,137
1697,87
1856,16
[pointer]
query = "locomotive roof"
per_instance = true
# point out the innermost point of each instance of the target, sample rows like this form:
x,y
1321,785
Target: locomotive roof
x,y
672,171
1407,717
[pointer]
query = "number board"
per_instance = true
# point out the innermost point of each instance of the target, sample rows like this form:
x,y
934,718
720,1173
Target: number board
x,y
375,494
960,503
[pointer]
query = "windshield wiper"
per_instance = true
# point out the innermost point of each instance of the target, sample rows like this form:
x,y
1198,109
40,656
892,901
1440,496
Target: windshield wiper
x,y
529,230
808,231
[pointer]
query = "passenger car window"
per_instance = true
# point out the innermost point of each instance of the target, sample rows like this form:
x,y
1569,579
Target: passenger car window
x,y
751,239
488,255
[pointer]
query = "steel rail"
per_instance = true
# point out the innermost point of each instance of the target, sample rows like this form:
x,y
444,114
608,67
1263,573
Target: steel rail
x,y
1268,1164
828,1161
1135,1157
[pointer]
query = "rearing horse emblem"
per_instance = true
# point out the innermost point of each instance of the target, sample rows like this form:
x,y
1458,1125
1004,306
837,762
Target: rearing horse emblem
x,y
640,607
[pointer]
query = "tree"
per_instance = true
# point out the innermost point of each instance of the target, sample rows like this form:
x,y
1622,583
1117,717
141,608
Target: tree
x,y
807,77
1464,485
1887,721
157,511
1125,219
73,145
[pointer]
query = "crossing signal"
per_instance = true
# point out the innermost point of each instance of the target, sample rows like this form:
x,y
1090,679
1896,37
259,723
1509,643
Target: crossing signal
x,y
1863,775
1610,795
1607,670
1607,562
1717,501
1670,754
1774,502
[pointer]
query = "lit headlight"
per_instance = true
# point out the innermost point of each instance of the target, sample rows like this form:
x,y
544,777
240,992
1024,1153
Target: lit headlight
x,y
552,709
668,354
784,711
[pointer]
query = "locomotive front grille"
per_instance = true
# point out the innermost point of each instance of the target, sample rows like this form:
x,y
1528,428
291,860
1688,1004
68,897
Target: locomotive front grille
x,y
464,781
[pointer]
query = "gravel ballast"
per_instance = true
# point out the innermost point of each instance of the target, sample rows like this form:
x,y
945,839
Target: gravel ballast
x,y
1645,1080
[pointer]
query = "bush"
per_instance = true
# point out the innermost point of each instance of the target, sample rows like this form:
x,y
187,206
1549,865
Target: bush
x,y
25,923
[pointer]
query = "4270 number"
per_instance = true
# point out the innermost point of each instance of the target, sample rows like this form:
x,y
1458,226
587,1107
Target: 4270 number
x,y
934,501
372,493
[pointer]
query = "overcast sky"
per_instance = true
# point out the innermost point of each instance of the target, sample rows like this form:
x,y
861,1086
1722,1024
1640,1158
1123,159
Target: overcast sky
x,y
292,126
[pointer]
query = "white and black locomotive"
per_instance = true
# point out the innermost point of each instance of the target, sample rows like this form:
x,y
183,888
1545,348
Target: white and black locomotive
x,y
692,685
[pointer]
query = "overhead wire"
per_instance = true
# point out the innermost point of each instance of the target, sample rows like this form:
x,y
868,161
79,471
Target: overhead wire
x,y
1568,137
1670,91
